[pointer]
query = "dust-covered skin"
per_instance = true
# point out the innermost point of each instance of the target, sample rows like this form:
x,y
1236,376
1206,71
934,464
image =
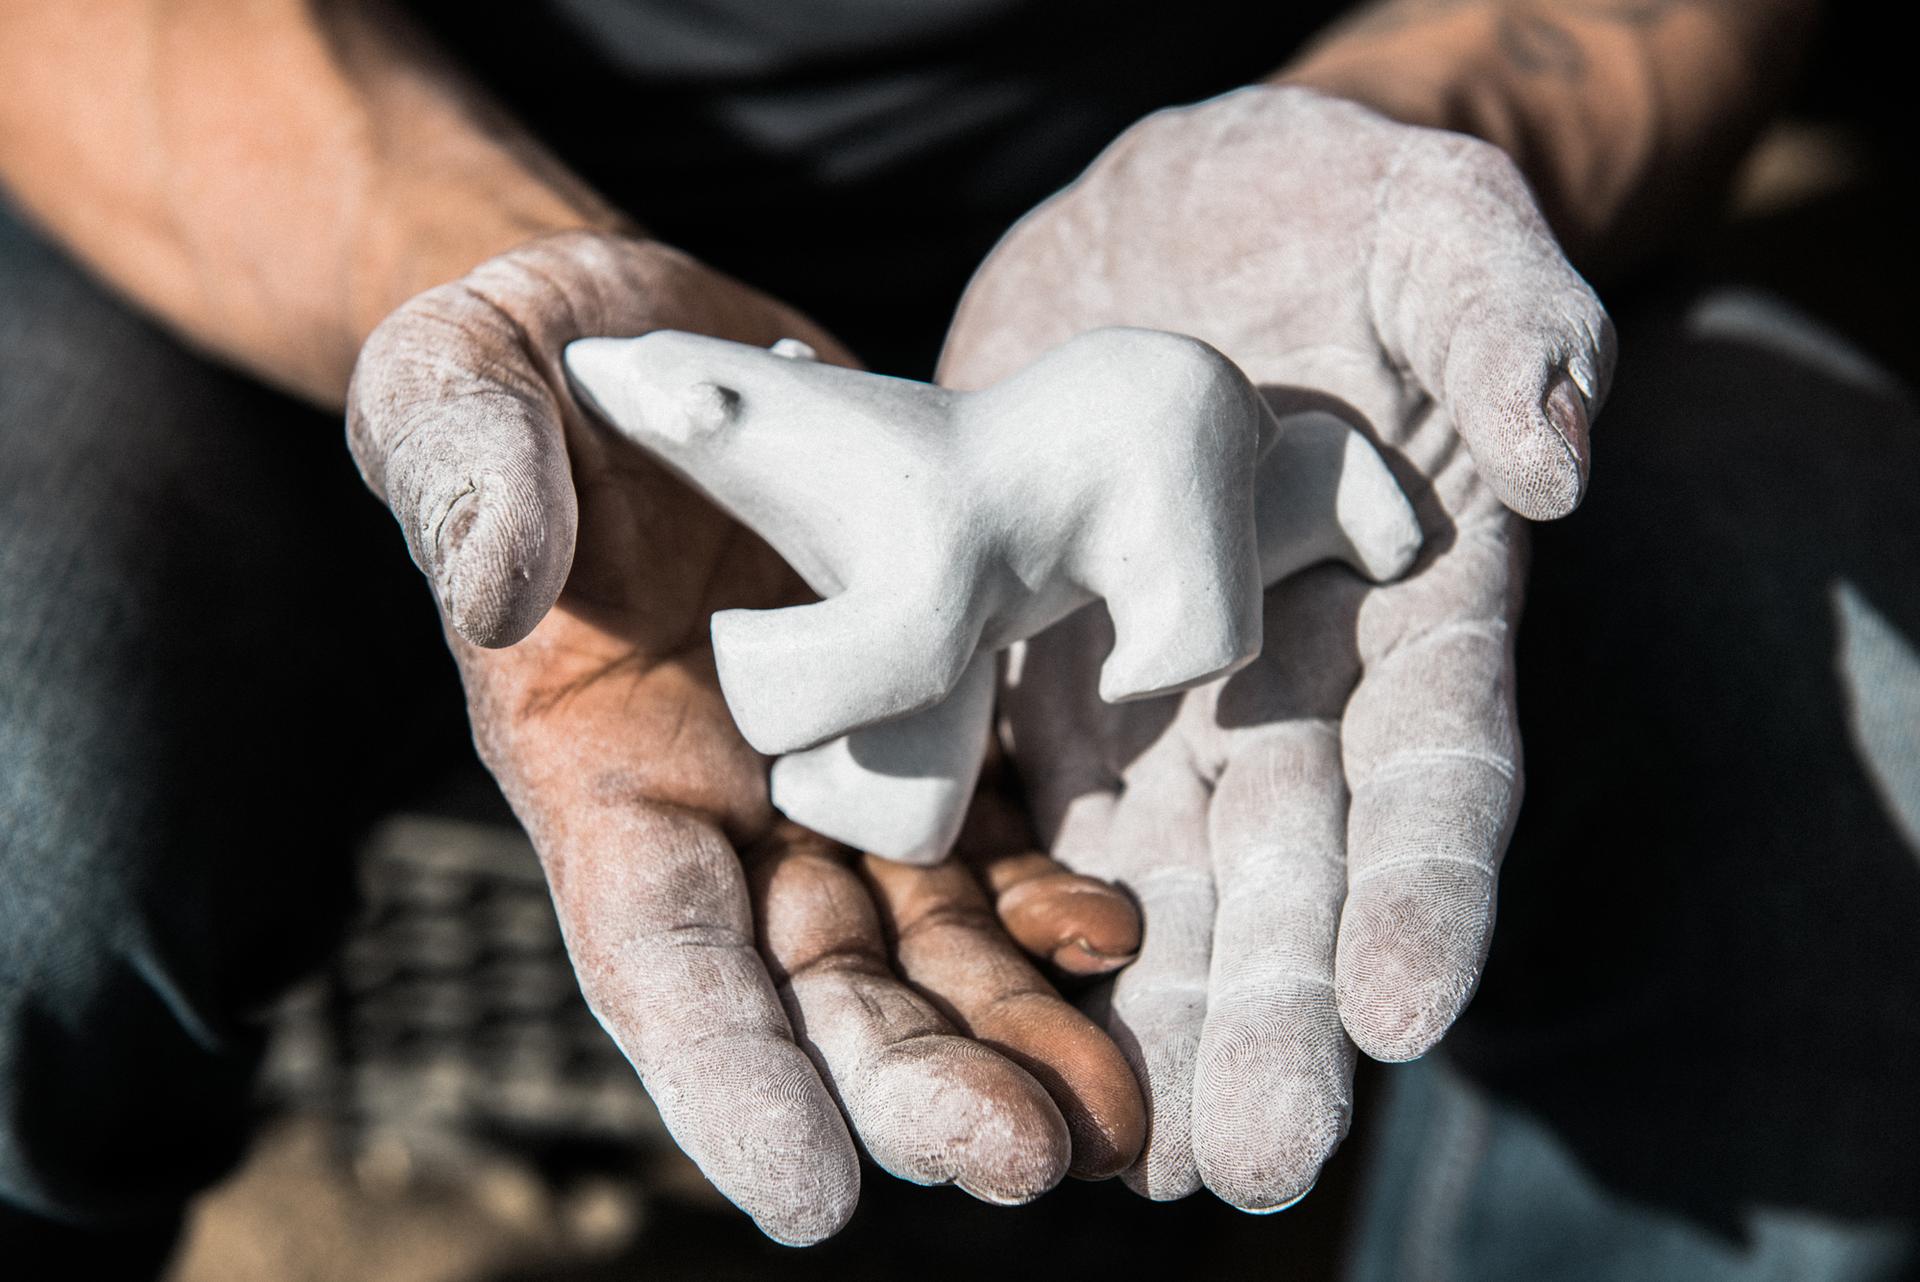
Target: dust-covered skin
x,y
577,579
948,944
1313,842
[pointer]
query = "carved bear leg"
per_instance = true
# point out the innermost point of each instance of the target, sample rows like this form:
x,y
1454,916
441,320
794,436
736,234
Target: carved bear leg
x,y
899,789
1185,607
1322,492
799,676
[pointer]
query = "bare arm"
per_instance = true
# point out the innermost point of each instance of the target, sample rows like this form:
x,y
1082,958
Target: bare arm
x,y
270,177
1625,115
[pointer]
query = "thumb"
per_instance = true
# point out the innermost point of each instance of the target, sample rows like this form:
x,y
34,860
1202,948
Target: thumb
x,y
1472,293
454,428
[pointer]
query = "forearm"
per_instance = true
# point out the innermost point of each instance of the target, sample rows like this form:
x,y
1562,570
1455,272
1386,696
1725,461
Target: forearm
x,y
269,177
1627,116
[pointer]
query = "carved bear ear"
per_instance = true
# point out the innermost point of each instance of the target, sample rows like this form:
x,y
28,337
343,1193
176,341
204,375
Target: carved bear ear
x,y
794,350
708,407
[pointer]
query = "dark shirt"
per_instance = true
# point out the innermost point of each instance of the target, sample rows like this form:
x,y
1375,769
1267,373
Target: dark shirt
x,y
855,157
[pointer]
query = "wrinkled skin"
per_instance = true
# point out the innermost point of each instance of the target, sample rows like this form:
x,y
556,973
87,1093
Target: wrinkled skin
x,y
1314,841
576,580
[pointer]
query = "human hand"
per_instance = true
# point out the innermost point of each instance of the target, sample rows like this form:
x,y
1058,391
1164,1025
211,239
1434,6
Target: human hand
x,y
1314,841
576,580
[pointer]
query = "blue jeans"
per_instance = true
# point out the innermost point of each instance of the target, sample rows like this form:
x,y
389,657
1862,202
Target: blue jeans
x,y
211,651
1696,1053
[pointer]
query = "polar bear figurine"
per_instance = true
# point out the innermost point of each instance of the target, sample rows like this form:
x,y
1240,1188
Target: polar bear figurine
x,y
1135,467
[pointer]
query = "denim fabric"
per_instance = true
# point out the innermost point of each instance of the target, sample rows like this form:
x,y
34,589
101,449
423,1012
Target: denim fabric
x,y
1696,1050
1466,1187
202,615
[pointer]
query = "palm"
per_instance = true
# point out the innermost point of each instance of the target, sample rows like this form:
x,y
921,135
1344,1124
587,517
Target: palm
x,y
1313,841
621,674
1230,812
742,964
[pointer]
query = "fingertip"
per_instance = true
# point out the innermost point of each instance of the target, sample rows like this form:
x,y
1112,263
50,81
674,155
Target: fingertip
x,y
1081,958
820,1215
764,1129
1084,1073
1278,1182
1399,1026
1553,455
1533,469
1161,1179
805,1198
1107,1121
501,556
1404,970
1287,1204
1081,924
1101,1156
1273,1098
483,490
984,1124
1513,393
1565,408
1272,1179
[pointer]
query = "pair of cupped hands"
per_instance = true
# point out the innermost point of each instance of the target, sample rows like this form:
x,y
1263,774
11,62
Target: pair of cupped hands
x,y
1242,885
